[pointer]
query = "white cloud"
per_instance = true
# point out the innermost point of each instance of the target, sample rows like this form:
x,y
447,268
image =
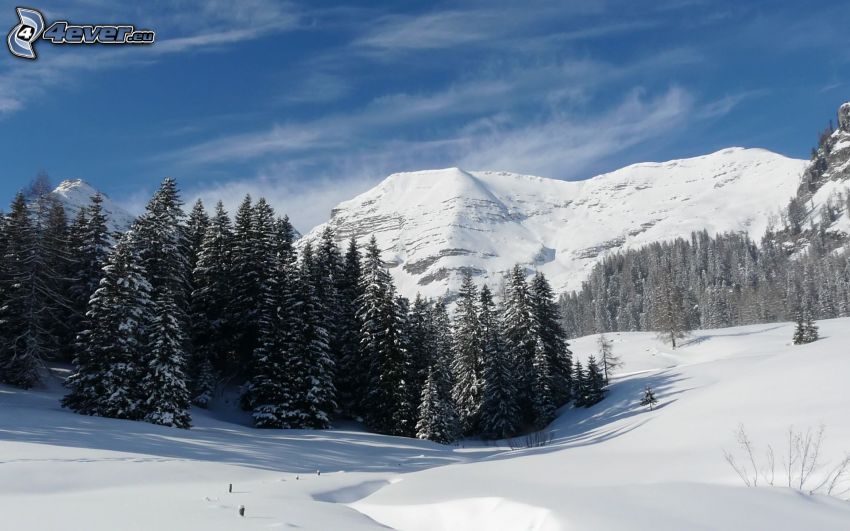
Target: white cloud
x,y
306,202
561,147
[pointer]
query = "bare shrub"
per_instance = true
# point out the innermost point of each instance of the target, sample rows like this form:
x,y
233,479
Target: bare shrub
x,y
802,464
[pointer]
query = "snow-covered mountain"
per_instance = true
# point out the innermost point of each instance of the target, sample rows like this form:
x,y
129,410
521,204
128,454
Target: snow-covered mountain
x,y
433,225
76,193
827,179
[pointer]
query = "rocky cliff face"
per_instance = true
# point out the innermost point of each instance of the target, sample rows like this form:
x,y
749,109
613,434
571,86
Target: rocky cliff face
x,y
821,208
434,225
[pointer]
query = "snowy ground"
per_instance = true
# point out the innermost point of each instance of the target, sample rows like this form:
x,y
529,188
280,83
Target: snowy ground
x,y
614,466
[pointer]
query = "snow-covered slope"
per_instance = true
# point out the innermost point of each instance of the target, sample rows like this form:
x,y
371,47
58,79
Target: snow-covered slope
x,y
614,466
432,225
619,466
76,193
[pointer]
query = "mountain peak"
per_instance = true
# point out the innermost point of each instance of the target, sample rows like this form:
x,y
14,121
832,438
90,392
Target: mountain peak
x,y
75,194
434,225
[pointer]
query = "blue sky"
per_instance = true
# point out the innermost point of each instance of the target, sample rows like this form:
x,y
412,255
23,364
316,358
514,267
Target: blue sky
x,y
311,103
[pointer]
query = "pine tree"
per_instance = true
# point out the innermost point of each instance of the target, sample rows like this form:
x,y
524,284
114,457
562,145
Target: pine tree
x,y
800,335
204,384
811,330
419,334
161,240
268,393
108,373
89,247
551,339
350,374
579,385
467,364
212,326
520,343
327,272
32,304
247,282
54,240
806,331
436,413
595,382
543,398
164,382
196,229
318,393
500,414
386,404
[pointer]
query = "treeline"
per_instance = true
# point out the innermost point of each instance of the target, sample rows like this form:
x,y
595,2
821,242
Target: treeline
x,y
710,282
800,271
157,318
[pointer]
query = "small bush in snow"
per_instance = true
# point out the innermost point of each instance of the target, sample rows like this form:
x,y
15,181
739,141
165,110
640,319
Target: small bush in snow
x,y
802,469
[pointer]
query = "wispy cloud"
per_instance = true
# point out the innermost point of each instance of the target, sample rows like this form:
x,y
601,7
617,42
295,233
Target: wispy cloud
x,y
307,202
210,23
307,185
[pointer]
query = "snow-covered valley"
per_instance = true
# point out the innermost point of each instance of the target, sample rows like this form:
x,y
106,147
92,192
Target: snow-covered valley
x,y
616,465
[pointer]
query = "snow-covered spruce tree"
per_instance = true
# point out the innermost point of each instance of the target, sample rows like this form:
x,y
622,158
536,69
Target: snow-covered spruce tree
x,y
58,260
579,385
811,330
595,382
162,251
246,286
267,393
500,414
204,384
327,270
800,335
518,334
442,353
805,331
436,416
161,237
419,332
211,323
196,229
386,402
551,339
350,376
543,400
317,396
3,265
107,380
610,361
89,247
32,302
467,364
164,383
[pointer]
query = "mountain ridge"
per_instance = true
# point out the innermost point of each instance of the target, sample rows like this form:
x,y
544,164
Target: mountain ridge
x,y
434,225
